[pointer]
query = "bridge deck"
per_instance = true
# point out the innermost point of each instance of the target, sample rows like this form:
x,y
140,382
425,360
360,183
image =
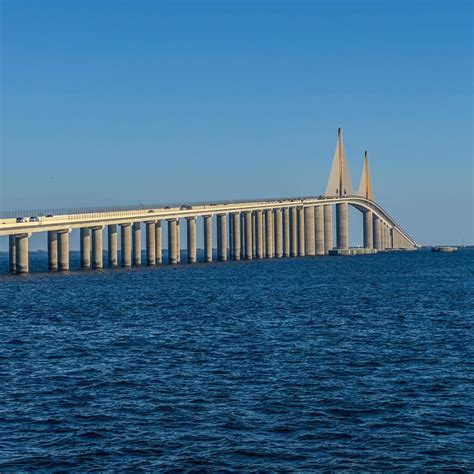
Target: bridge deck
x,y
89,218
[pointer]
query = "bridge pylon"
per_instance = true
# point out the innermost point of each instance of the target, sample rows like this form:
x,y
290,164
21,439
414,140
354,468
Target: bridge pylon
x,y
339,183
365,187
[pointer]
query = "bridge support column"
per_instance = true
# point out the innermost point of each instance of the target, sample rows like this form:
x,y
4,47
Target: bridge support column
x,y
294,232
112,245
309,239
254,235
191,236
278,233
63,250
222,237
12,253
301,239
172,245
328,241
286,232
248,236
150,243
207,238
242,236
97,248
126,244
236,244
264,234
85,245
230,224
368,217
384,236
137,243
230,238
22,264
342,225
319,229
158,243
258,234
269,232
178,241
399,239
377,228
52,251
390,237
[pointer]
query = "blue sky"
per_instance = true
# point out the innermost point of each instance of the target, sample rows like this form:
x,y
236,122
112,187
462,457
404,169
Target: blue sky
x,y
114,102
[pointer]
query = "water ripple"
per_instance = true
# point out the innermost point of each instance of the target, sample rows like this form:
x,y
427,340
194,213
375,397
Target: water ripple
x,y
360,364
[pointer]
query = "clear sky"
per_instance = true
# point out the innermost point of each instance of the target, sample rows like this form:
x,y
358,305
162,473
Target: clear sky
x,y
122,102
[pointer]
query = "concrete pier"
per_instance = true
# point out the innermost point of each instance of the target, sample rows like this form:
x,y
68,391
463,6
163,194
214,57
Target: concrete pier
x,y
178,241
309,238
254,235
342,225
63,250
22,263
158,243
236,246
242,236
264,233
222,237
191,235
150,243
278,224
293,232
97,248
319,230
12,253
230,230
85,246
248,236
137,244
52,251
126,244
112,245
286,232
269,233
328,240
172,246
368,217
258,234
301,239
377,229
208,238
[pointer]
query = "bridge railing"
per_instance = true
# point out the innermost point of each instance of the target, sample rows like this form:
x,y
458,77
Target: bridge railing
x,y
11,214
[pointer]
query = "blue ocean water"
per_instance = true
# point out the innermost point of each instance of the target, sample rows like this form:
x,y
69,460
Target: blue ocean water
x,y
361,363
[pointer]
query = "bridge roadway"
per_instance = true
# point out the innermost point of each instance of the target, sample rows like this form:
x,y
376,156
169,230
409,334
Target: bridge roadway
x,y
276,227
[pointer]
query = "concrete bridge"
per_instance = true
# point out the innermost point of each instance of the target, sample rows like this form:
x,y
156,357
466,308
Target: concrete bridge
x,y
270,228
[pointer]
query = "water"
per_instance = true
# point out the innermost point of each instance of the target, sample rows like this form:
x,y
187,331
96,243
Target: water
x,y
362,363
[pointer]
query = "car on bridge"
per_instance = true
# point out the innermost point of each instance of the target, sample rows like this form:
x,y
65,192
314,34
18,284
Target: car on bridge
x,y
34,219
21,219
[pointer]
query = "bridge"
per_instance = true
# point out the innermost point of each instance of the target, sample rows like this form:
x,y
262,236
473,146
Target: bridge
x,y
248,229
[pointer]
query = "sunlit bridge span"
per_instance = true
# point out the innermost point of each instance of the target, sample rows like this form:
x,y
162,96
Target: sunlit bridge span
x,y
246,230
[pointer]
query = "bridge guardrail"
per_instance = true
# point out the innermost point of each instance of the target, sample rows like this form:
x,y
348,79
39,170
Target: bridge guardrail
x,y
11,214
